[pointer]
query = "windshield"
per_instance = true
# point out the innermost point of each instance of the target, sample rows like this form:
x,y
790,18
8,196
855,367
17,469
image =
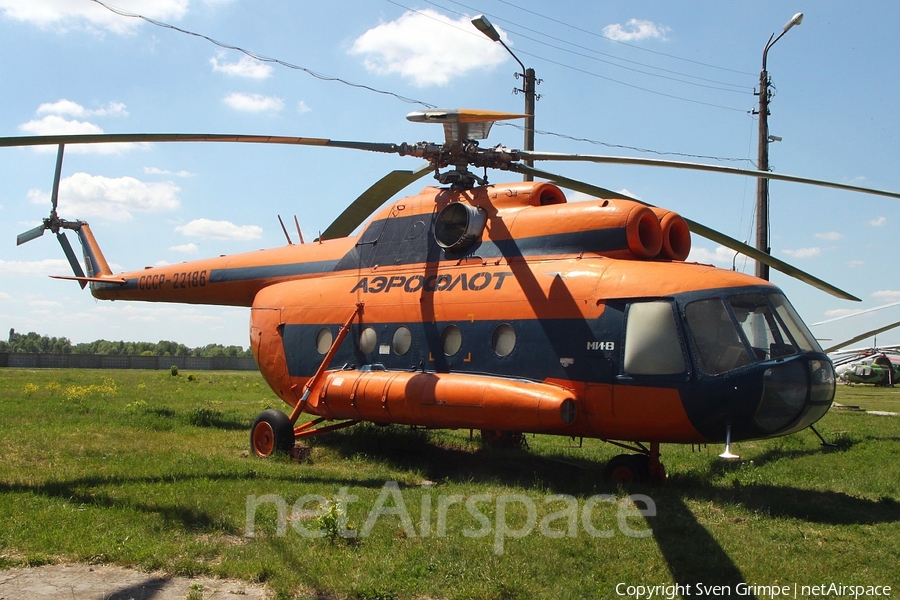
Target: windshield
x,y
735,331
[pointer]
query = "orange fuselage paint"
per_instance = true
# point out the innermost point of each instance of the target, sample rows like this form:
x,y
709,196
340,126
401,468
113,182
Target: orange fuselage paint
x,y
539,262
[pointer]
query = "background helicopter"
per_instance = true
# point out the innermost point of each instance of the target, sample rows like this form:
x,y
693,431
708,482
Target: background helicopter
x,y
497,307
878,365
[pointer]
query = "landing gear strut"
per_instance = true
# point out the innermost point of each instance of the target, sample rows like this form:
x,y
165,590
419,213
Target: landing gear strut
x,y
273,431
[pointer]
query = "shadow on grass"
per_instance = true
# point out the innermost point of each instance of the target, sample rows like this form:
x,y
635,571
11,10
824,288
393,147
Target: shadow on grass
x,y
691,552
414,449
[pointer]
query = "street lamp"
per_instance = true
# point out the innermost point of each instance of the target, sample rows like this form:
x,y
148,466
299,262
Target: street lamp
x,y
484,26
762,184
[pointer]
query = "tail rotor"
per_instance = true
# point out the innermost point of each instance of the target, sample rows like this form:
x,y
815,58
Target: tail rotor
x,y
55,224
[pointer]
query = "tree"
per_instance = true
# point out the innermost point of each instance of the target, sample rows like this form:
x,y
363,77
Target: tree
x,y
40,344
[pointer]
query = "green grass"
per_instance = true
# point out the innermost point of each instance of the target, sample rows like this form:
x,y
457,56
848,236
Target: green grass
x,y
144,469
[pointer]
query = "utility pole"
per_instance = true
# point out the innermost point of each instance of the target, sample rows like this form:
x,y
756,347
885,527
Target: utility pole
x,y
484,26
762,163
530,98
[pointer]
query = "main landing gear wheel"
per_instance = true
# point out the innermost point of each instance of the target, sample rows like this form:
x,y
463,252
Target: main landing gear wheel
x,y
272,432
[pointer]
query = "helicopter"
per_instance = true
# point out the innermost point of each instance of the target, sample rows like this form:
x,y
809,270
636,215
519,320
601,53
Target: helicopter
x,y
499,307
878,365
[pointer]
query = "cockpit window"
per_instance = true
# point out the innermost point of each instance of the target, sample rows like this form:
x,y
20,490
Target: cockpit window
x,y
735,331
764,332
652,343
717,342
802,336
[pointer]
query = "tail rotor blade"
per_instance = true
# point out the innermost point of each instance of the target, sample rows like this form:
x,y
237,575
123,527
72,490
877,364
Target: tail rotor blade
x,y
54,197
70,254
31,234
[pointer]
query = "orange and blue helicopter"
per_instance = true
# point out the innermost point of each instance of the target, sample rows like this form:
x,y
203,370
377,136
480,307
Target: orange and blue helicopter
x,y
498,307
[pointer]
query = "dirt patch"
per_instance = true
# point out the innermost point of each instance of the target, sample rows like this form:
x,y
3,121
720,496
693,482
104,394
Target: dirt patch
x,y
116,583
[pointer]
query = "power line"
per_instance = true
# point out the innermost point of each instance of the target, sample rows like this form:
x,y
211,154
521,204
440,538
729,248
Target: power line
x,y
262,58
405,99
739,87
584,71
672,56
623,147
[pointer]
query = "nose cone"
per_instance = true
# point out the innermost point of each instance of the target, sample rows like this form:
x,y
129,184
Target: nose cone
x,y
763,400
796,394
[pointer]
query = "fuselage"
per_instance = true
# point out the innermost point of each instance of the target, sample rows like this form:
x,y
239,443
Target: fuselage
x,y
506,308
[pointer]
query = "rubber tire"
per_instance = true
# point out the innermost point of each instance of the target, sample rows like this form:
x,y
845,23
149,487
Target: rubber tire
x,y
272,432
628,468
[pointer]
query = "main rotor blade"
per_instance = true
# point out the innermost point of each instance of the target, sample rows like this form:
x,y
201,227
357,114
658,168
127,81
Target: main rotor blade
x,y
70,254
111,138
54,196
862,337
369,201
31,234
701,230
676,164
856,314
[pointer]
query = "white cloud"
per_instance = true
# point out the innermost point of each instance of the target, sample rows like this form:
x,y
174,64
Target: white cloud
x,y
44,303
62,15
5,296
302,108
185,248
879,222
804,252
57,125
82,195
887,295
427,48
220,230
54,122
722,256
831,236
49,266
73,109
156,171
855,264
244,67
636,30
253,102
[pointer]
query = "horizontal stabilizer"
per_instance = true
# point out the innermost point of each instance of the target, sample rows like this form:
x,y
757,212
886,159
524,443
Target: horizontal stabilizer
x,y
116,280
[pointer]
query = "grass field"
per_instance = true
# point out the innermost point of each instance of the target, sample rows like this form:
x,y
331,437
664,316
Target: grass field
x,y
146,469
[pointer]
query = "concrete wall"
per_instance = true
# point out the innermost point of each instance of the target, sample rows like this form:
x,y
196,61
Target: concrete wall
x,y
110,361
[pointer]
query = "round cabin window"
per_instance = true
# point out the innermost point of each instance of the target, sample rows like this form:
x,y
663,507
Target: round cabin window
x,y
451,340
402,341
324,339
504,340
367,340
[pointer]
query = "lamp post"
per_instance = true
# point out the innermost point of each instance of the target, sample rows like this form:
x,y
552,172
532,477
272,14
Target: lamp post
x,y
484,26
762,184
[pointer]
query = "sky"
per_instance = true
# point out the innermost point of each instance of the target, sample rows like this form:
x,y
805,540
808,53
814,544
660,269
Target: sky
x,y
655,79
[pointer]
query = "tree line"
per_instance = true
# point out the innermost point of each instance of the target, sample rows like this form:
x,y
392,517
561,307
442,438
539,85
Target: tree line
x,y
34,343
